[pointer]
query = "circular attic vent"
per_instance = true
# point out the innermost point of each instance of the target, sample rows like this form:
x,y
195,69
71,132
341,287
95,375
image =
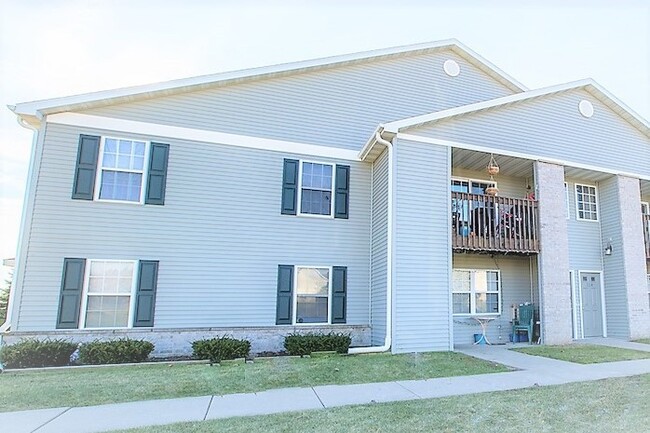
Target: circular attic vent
x,y
586,108
451,67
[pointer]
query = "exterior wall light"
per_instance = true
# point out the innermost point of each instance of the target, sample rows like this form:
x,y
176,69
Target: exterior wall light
x,y
608,248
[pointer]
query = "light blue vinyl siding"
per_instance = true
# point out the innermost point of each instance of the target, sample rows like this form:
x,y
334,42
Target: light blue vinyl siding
x,y
585,246
379,258
616,301
552,127
421,296
518,285
338,106
219,237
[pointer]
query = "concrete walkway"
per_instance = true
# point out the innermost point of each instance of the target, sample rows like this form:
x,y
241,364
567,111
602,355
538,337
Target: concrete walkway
x,y
533,371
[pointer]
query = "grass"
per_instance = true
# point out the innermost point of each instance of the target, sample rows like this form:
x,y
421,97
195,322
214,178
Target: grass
x,y
584,353
611,405
643,340
92,386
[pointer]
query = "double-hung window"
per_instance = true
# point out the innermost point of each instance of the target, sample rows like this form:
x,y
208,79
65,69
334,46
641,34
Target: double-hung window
x,y
586,203
316,188
109,291
312,298
476,292
121,169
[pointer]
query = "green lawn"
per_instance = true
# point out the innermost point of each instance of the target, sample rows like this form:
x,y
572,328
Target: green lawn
x,y
584,353
612,405
643,340
91,386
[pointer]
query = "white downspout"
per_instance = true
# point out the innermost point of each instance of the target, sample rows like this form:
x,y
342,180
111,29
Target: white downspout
x,y
389,259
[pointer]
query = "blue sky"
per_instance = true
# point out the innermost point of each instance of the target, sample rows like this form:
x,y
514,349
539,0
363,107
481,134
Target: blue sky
x,y
58,48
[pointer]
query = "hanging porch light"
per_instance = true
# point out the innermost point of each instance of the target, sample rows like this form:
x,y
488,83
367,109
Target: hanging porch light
x,y
493,170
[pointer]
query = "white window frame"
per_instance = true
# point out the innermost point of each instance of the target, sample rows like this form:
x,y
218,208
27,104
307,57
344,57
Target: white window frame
x,y
295,296
301,162
473,293
84,294
575,190
145,170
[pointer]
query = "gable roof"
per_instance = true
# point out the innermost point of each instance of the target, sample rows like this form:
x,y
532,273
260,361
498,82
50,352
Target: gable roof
x,y
589,85
129,94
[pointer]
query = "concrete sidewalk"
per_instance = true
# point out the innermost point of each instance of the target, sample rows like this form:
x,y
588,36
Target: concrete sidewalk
x,y
533,371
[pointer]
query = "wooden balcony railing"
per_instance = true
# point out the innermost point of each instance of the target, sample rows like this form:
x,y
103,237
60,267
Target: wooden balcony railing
x,y
646,230
493,224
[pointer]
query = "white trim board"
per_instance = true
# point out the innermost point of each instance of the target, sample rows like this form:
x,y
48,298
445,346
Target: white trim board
x,y
588,84
109,97
202,135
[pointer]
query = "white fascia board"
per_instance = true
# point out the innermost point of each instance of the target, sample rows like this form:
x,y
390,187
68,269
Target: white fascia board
x,y
106,97
528,156
488,67
477,106
588,84
201,135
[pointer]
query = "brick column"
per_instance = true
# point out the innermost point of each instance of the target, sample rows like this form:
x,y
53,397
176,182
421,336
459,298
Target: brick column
x,y
553,258
632,248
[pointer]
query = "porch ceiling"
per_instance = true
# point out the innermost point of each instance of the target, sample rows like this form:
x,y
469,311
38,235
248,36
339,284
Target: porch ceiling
x,y
473,160
645,188
582,174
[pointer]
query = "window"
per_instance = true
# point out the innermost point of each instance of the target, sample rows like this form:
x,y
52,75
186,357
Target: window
x,y
121,169
109,287
476,292
645,208
312,295
586,203
316,189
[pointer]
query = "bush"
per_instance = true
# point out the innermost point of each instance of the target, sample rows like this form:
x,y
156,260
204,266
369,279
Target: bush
x,y
297,344
37,353
221,348
118,351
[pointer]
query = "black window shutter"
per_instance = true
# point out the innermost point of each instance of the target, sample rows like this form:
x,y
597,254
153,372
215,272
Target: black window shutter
x,y
72,282
339,293
290,187
285,292
342,193
157,179
84,176
145,297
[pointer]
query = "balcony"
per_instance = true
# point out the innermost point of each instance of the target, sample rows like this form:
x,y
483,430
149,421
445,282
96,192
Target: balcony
x,y
646,231
482,223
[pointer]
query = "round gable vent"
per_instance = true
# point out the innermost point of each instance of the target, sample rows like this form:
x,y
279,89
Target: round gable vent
x,y
586,108
451,67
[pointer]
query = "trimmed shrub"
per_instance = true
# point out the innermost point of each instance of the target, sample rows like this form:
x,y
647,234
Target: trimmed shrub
x,y
118,351
37,353
297,344
221,349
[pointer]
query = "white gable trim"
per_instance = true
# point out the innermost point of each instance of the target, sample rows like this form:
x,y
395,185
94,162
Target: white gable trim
x,y
214,137
126,94
590,86
485,149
